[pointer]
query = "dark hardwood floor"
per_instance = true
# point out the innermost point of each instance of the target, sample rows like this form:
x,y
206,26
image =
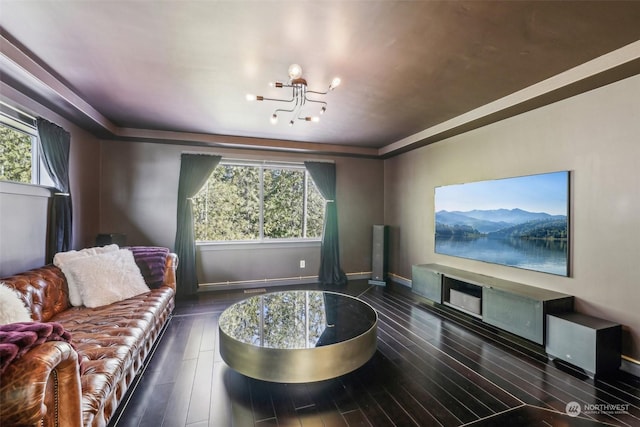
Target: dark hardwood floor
x,y
433,367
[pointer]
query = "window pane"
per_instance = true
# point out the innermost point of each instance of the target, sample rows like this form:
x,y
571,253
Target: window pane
x,y
228,207
15,155
237,199
283,203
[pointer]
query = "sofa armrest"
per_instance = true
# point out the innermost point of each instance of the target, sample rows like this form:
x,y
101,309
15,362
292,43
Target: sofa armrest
x,y
42,388
170,271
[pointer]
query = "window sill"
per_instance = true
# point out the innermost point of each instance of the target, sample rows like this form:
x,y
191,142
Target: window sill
x,y
22,189
254,244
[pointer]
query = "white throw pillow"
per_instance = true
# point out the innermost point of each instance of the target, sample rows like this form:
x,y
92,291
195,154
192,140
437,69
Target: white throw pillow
x,y
12,309
106,278
61,259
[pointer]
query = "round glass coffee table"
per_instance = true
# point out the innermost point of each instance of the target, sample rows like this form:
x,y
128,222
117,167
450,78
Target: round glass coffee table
x,y
298,336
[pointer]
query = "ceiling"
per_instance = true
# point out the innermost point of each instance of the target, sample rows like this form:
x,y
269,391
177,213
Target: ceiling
x,y
147,68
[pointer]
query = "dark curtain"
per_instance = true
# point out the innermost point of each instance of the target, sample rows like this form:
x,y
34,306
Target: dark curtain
x,y
195,169
324,176
55,144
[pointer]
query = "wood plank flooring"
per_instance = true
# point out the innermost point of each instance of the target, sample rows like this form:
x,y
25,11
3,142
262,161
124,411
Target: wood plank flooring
x,y
433,367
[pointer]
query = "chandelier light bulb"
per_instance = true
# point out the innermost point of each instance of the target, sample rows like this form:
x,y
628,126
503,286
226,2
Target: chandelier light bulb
x,y
251,97
315,119
335,83
291,123
322,110
295,71
274,119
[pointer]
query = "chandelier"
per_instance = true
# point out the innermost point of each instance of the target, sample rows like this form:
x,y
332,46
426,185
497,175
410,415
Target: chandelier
x,y
299,97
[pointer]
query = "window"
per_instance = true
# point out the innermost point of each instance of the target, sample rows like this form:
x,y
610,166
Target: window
x,y
19,148
251,201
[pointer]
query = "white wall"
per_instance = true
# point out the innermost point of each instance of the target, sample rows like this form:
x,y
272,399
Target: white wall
x,y
23,227
596,135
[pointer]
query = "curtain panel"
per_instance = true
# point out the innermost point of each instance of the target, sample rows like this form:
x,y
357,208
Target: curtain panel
x,y
195,169
55,145
324,176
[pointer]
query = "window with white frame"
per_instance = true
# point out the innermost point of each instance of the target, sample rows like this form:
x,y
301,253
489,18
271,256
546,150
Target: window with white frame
x,y
258,201
19,148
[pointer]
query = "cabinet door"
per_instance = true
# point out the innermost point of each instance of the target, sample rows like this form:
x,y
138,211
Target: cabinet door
x,y
571,342
514,313
426,283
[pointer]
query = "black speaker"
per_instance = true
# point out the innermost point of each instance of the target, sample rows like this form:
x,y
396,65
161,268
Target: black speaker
x,y
111,238
380,256
587,342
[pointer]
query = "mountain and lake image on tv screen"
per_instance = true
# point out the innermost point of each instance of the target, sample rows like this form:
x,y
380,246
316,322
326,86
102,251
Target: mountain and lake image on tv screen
x,y
519,222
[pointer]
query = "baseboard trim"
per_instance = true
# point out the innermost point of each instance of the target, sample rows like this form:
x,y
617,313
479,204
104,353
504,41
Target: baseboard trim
x,y
359,276
266,283
260,283
630,366
400,280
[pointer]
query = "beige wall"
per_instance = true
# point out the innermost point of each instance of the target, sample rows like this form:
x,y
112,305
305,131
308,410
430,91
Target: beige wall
x,y
84,174
596,136
139,186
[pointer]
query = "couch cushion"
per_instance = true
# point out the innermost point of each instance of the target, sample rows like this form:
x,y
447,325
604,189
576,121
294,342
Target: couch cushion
x,y
12,308
62,259
112,342
106,278
43,290
152,262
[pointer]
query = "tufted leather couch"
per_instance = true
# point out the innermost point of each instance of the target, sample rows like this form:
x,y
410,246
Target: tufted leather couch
x,y
81,384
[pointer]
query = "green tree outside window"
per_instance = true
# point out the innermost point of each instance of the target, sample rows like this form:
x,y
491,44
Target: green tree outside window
x,y
238,199
15,155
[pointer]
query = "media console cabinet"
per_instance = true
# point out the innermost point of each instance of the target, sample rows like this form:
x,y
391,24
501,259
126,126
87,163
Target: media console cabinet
x,y
514,307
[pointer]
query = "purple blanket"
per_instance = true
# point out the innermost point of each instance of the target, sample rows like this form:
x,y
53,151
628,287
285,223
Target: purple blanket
x,y
152,261
18,338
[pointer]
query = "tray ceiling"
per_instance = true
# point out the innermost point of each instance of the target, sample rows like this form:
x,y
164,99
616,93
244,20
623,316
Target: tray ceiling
x,y
406,67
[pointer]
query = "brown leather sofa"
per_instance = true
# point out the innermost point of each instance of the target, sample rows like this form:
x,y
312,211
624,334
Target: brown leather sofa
x,y
81,383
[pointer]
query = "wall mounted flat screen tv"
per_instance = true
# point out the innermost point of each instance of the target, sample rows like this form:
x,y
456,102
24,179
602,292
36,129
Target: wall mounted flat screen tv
x,y
520,222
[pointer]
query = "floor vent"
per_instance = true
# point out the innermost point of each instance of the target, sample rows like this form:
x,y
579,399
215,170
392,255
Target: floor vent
x,y
255,291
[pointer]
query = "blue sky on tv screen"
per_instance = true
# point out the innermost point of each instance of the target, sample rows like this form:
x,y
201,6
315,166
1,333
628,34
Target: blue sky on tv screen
x,y
547,192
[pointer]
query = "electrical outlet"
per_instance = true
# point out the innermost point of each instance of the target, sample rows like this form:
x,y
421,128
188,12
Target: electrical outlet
x,y
302,263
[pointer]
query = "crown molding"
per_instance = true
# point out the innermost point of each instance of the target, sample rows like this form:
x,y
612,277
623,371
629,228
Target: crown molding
x,y
20,71
606,69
